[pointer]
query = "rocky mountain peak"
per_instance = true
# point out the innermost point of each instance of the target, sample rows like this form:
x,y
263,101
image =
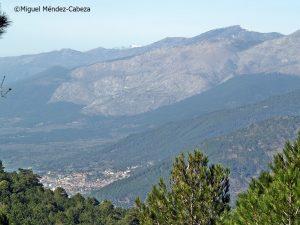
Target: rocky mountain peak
x,y
241,37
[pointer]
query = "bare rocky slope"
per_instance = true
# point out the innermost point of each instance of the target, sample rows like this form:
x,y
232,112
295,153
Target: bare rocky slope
x,y
122,82
280,55
163,75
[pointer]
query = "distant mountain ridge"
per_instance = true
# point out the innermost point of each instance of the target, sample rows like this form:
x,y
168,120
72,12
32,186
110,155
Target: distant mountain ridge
x,y
117,82
25,66
160,76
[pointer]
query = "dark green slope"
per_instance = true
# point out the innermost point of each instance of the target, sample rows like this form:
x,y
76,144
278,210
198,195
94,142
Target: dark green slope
x,y
246,152
167,140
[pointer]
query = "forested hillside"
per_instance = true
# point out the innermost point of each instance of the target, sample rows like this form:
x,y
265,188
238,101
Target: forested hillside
x,y
246,152
163,141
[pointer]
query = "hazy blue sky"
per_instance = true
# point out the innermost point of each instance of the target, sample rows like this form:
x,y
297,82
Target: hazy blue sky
x,y
115,23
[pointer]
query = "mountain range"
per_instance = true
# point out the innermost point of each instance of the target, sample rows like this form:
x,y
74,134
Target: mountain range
x,y
160,76
136,80
230,91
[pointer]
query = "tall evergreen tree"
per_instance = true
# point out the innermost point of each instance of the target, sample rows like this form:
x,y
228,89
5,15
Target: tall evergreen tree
x,y
1,167
4,23
273,198
198,194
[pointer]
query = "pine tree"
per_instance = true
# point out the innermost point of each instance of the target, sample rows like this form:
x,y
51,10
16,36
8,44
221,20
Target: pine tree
x,y
4,23
273,198
198,194
1,167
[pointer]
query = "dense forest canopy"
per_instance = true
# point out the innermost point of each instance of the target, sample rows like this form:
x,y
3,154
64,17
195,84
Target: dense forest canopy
x,y
198,193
